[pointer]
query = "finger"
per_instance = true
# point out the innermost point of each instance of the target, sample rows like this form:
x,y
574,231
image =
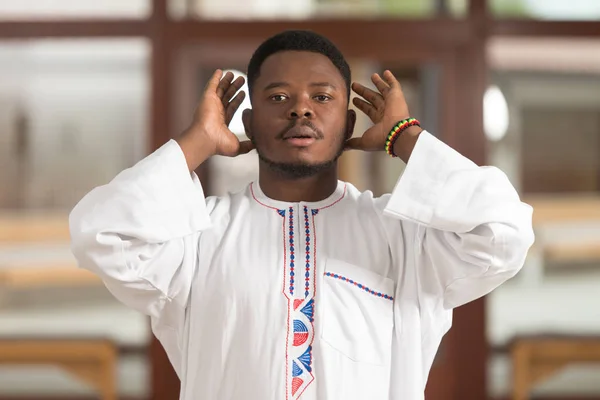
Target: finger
x,y
370,95
245,147
233,106
213,82
381,85
224,84
233,88
365,107
391,80
353,144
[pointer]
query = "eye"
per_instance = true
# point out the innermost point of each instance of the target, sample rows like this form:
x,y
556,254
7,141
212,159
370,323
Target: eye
x,y
322,98
278,98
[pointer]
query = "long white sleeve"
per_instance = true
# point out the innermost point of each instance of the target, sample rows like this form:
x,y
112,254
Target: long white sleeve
x,y
473,231
140,232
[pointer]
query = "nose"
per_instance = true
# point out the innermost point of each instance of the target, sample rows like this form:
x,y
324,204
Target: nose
x,y
301,108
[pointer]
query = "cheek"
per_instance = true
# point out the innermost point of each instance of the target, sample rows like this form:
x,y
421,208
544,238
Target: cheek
x,y
336,132
266,127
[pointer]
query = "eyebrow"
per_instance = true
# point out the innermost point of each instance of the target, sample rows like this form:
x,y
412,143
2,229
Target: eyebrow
x,y
274,85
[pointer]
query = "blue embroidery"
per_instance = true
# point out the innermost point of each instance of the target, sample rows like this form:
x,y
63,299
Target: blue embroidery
x,y
309,310
299,326
291,233
301,308
358,285
296,370
306,359
307,231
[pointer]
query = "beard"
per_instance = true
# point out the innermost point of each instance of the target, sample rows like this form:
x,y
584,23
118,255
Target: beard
x,y
299,170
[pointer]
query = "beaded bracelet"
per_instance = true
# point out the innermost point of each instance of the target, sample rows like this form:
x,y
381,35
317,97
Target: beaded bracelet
x,y
395,134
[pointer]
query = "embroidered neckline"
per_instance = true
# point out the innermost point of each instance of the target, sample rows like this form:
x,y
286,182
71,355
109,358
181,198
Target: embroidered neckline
x,y
338,194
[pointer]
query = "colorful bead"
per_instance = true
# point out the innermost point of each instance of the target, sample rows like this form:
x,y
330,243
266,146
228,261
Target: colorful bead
x,y
395,134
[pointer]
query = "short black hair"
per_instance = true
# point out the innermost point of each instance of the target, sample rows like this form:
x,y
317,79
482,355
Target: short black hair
x,y
297,40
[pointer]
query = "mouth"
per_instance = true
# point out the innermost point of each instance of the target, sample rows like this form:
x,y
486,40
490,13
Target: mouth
x,y
301,136
300,141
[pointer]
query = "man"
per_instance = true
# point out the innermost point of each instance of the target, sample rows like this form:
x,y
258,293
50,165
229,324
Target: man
x,y
300,286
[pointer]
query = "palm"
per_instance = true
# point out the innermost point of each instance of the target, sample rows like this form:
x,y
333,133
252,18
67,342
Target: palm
x,y
384,108
216,110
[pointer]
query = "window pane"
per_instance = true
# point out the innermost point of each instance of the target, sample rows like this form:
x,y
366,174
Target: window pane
x,y
73,113
547,9
66,9
551,152
305,9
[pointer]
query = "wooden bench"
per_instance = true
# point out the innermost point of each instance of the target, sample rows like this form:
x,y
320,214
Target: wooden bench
x,y
564,208
568,253
567,229
93,361
42,275
536,358
32,227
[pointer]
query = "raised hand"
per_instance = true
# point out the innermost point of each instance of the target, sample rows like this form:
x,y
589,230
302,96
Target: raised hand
x,y
209,133
215,111
384,108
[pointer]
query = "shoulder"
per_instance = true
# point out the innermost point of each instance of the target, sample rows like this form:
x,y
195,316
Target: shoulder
x,y
231,202
368,206
365,200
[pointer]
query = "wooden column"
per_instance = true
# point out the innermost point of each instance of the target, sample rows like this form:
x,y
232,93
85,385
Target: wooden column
x,y
469,347
165,383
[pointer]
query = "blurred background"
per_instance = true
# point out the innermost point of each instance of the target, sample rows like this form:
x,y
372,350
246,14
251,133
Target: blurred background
x,y
89,88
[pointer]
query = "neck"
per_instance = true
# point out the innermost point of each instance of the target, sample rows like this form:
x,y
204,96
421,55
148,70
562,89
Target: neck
x,y
277,186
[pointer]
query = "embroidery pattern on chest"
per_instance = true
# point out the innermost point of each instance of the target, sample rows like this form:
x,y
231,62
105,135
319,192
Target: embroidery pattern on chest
x,y
299,254
300,297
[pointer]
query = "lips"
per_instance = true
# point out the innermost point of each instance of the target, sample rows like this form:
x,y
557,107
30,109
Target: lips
x,y
300,132
300,141
300,136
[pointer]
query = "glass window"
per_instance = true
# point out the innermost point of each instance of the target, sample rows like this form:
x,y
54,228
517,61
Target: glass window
x,y
73,114
71,9
305,9
551,152
547,9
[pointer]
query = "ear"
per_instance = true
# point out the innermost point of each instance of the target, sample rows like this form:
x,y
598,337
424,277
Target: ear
x,y
247,120
350,123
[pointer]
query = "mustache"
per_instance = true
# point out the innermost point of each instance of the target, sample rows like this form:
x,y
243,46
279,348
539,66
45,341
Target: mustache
x,y
298,123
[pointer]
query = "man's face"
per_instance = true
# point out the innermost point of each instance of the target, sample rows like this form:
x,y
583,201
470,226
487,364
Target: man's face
x,y
300,119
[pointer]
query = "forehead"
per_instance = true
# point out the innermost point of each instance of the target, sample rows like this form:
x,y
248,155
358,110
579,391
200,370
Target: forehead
x,y
299,67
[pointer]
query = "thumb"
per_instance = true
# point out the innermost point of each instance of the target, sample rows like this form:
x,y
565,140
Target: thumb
x,y
213,82
245,147
354,144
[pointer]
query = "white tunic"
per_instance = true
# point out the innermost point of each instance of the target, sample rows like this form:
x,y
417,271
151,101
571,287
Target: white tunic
x,y
345,298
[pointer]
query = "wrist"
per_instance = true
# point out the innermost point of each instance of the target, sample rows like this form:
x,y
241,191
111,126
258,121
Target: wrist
x,y
405,144
196,147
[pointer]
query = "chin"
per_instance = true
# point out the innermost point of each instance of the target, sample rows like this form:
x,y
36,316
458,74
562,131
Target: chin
x,y
297,167
308,161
